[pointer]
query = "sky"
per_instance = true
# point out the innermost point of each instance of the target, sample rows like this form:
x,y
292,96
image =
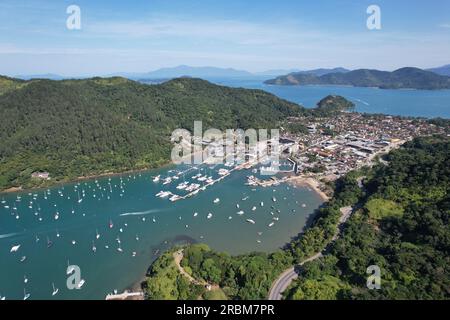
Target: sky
x,y
140,36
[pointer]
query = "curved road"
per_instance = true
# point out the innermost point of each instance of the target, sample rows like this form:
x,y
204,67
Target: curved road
x,y
285,279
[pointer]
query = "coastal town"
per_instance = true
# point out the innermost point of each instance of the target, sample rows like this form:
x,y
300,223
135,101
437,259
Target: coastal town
x,y
330,147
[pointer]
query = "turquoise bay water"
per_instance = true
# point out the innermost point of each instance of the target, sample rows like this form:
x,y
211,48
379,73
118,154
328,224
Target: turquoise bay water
x,y
126,201
417,103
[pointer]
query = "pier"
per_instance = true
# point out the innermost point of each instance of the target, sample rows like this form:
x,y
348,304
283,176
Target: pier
x,y
126,296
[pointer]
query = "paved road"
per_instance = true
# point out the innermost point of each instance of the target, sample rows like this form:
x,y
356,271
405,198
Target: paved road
x,y
285,279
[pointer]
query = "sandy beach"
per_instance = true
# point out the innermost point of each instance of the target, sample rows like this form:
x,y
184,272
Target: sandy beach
x,y
311,183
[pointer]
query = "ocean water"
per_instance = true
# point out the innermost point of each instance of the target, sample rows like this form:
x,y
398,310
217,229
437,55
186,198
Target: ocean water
x,y
144,224
416,103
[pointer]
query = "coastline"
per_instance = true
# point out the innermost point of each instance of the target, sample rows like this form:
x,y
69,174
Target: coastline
x,y
83,178
312,183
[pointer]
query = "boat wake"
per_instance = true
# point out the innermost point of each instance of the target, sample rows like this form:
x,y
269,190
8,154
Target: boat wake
x,y
140,213
8,235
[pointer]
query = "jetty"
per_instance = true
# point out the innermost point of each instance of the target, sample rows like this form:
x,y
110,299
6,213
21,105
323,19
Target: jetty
x,y
126,295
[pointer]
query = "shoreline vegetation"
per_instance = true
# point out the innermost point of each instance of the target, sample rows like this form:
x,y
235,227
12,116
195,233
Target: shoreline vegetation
x,y
398,194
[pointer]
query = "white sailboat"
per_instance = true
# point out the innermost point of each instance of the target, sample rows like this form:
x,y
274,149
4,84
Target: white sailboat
x,y
97,235
81,284
70,268
15,248
25,294
55,290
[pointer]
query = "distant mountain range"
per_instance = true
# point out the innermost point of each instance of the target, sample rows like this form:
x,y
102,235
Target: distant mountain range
x,y
443,71
412,78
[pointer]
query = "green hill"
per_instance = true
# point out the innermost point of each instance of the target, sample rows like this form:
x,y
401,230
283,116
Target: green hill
x,y
412,78
74,128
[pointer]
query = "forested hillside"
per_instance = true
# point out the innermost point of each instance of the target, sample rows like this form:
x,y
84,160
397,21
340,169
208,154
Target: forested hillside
x,y
402,226
75,128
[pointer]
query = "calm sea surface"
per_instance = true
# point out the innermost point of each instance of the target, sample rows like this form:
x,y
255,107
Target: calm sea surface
x,y
417,103
54,229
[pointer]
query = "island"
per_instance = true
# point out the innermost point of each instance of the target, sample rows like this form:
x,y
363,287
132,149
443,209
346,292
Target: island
x,y
404,78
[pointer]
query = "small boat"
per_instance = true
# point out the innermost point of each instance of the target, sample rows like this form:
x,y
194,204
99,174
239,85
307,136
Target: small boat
x,y
274,199
271,224
240,213
57,234
254,208
251,221
25,295
111,225
25,279
74,242
23,258
230,217
56,215
261,204
303,205
209,216
94,248
275,218
2,298
216,200
119,249
70,268
237,205
157,178
80,284
259,241
55,290
143,219
137,238
15,248
49,243
97,235
195,214
153,219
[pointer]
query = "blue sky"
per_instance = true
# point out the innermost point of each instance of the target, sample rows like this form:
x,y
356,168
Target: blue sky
x,y
139,36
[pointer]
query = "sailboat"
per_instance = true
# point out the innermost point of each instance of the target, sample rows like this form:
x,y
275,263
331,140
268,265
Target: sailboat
x,y
15,248
57,233
56,215
216,200
94,248
81,283
55,290
111,225
79,199
23,258
25,295
49,243
209,216
25,279
70,269
97,235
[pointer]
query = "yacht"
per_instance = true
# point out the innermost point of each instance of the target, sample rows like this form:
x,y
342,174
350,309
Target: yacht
x,y
80,284
15,248
25,295
157,178
55,290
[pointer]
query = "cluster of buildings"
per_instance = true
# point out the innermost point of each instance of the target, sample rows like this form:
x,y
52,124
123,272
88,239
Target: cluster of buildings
x,y
334,146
